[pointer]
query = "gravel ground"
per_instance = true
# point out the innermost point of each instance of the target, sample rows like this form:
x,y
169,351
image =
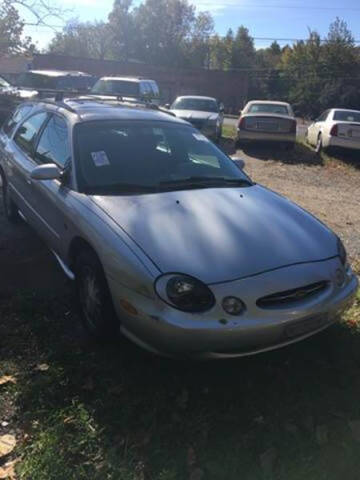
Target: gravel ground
x,y
331,191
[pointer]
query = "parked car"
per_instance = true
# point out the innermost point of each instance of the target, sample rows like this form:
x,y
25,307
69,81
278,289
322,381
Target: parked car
x,y
128,88
11,96
166,238
204,113
335,128
48,81
267,121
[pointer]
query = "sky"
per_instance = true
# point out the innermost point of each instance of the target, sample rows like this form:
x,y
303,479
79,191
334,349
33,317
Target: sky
x,y
280,19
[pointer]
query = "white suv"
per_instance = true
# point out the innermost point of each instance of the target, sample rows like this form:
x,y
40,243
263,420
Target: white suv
x,y
128,88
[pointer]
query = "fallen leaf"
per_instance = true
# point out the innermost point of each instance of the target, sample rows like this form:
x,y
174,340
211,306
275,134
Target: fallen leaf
x,y
321,434
268,460
191,457
197,474
7,444
89,385
42,367
355,429
7,379
8,470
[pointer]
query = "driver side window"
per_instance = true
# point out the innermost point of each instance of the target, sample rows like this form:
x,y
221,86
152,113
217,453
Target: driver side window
x,y
54,146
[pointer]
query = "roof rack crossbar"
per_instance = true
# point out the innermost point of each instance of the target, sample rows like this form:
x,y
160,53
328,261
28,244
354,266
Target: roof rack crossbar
x,y
60,103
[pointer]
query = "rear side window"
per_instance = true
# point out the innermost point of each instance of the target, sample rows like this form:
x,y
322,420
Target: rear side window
x,y
16,118
53,146
27,132
344,116
323,116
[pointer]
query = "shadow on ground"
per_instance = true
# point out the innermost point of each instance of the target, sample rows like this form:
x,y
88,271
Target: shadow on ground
x,y
301,154
94,411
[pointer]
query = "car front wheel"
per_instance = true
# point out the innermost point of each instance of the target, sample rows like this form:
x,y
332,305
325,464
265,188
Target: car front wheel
x,y
94,298
10,209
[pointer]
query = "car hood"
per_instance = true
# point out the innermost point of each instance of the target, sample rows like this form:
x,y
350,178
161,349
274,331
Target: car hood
x,y
220,234
19,92
195,115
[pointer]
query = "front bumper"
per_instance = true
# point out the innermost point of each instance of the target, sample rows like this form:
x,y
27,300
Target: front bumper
x,y
214,334
248,136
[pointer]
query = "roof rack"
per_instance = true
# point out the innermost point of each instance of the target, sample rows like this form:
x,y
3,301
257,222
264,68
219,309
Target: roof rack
x,y
58,103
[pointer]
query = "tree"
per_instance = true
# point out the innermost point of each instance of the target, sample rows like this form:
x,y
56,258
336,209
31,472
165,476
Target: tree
x,y
11,31
122,28
243,51
198,50
92,40
162,27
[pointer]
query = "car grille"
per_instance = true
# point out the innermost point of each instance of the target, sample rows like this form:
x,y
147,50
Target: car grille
x,y
289,297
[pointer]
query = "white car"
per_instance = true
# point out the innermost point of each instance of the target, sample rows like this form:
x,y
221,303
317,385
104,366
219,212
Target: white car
x,y
267,121
335,128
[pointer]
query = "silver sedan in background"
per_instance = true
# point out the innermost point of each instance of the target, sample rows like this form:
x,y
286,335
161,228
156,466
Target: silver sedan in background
x,y
166,239
204,113
267,121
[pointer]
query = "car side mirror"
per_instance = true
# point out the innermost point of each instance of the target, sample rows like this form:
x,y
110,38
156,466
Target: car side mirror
x,y
48,171
167,106
240,112
239,162
222,108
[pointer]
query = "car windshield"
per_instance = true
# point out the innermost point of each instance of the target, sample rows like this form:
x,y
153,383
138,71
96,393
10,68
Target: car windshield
x,y
117,158
268,108
202,105
116,87
346,116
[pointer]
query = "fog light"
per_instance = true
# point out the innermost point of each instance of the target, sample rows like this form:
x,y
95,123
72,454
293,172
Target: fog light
x,y
233,306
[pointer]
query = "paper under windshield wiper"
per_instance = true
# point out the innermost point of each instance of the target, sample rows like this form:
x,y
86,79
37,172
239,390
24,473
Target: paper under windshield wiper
x,y
203,182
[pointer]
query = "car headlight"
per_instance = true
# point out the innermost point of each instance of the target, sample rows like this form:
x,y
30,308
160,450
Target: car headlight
x,y
184,293
342,252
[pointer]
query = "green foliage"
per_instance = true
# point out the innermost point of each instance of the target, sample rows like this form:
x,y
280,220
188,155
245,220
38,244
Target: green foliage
x,y
11,31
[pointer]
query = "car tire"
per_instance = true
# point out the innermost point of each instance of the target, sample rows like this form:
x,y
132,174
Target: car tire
x,y
94,297
11,211
319,146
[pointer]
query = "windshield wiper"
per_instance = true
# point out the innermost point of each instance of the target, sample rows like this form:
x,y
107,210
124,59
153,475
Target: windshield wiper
x,y
206,182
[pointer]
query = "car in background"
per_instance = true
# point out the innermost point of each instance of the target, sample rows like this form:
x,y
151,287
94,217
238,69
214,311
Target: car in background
x,y
167,240
204,113
129,89
46,82
335,128
11,96
267,121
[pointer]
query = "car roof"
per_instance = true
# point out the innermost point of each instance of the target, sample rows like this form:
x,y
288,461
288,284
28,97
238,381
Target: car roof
x,y
270,102
59,73
127,79
197,97
95,110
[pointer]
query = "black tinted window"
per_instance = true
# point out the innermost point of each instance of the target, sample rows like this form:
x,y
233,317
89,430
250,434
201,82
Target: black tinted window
x,y
54,145
15,119
27,132
116,87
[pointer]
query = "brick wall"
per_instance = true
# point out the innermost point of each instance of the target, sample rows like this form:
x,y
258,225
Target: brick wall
x,y
229,87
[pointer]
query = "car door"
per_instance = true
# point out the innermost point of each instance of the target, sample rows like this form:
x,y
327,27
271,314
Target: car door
x,y
316,127
20,163
50,196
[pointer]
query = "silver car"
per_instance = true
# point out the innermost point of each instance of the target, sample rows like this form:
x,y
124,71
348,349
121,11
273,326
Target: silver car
x,y
166,239
204,113
267,121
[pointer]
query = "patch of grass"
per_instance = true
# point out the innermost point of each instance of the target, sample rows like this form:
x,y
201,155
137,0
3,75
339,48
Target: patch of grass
x,y
118,413
228,131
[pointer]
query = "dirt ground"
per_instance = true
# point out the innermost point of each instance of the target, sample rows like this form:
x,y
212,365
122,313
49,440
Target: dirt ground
x,y
330,191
